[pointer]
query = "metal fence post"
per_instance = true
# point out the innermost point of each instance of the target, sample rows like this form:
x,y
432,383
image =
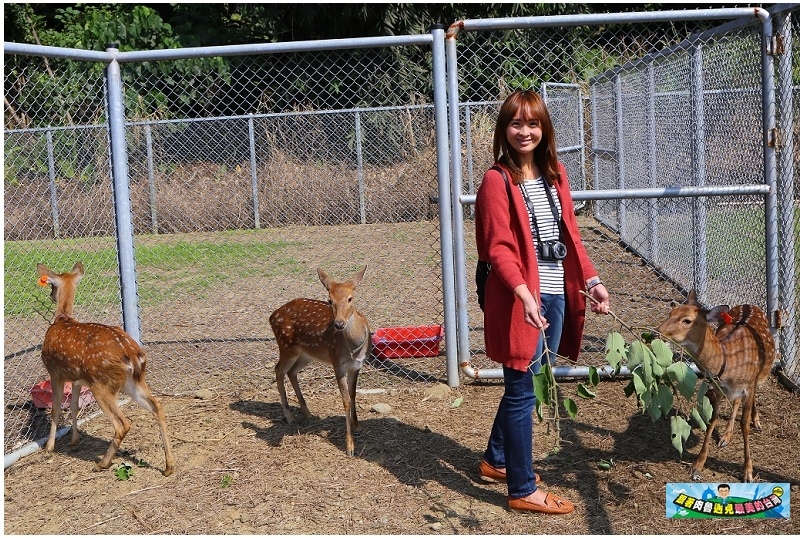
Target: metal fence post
x,y
446,225
698,171
51,172
618,122
770,170
253,171
122,198
151,178
652,204
787,343
360,167
468,142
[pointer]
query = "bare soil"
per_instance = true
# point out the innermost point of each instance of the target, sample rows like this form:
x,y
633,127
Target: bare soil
x,y
241,469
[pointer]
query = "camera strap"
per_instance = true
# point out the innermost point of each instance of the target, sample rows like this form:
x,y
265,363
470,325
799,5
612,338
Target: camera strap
x,y
553,209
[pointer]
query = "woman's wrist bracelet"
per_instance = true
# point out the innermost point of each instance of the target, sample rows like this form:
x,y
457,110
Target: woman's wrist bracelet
x,y
593,283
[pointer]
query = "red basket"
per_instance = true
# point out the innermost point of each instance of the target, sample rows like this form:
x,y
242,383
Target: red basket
x,y
42,394
393,342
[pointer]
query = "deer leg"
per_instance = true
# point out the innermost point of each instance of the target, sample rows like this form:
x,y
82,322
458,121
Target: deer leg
x,y
280,373
745,422
726,437
73,409
301,363
352,379
143,396
342,381
57,386
107,400
756,421
700,462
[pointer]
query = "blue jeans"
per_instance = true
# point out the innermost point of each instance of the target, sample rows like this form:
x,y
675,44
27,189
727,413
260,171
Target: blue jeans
x,y
552,307
511,440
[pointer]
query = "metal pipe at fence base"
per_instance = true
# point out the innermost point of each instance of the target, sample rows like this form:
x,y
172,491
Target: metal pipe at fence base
x,y
30,448
35,446
559,372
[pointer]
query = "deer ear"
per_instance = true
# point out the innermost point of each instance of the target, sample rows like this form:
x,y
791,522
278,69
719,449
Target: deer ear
x,y
692,298
323,277
713,316
43,270
358,277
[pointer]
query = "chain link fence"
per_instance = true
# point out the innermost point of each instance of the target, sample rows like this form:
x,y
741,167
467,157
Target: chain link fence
x,y
659,107
280,164
247,173
788,109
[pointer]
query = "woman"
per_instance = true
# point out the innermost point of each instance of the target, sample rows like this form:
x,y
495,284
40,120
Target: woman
x,y
526,229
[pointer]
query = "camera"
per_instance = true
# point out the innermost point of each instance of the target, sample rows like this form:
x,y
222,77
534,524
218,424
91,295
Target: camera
x,y
551,250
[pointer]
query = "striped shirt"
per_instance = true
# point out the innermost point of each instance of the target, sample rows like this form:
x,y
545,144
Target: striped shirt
x,y
551,273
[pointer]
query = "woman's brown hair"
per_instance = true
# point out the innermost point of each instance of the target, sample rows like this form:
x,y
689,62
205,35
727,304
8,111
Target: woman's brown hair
x,y
528,105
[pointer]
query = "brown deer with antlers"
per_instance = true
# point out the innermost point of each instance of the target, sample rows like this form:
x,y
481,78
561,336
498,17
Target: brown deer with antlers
x,y
331,332
737,356
102,357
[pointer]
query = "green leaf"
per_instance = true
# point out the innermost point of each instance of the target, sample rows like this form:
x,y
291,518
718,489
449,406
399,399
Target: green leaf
x,y
664,399
662,352
629,389
457,403
123,471
638,383
704,406
585,392
658,371
680,432
594,377
635,355
647,363
539,410
695,414
572,409
654,411
684,377
615,349
541,386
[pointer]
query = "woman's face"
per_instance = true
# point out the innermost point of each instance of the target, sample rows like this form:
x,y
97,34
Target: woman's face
x,y
523,134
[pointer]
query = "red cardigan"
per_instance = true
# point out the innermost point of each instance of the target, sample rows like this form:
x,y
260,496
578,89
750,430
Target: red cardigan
x,y
503,237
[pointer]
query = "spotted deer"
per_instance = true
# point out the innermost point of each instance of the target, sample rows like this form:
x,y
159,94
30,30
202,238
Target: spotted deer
x,y
102,357
737,356
331,332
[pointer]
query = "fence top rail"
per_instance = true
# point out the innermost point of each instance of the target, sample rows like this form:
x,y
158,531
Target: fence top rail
x,y
658,192
513,23
113,54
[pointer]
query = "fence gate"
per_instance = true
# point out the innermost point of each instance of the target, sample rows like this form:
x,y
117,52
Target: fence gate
x,y
679,168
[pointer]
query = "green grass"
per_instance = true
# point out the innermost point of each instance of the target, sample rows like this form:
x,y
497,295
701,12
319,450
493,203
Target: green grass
x,y
168,267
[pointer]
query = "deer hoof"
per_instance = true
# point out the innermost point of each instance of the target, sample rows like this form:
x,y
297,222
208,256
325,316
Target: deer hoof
x,y
167,471
722,443
696,476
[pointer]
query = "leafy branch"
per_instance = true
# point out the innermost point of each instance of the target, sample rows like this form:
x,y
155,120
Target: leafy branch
x,y
664,387
545,388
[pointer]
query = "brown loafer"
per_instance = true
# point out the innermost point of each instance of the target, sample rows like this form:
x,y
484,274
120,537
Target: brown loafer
x,y
492,474
552,505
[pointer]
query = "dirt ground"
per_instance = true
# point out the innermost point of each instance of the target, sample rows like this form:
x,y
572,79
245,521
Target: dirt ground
x,y
241,469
